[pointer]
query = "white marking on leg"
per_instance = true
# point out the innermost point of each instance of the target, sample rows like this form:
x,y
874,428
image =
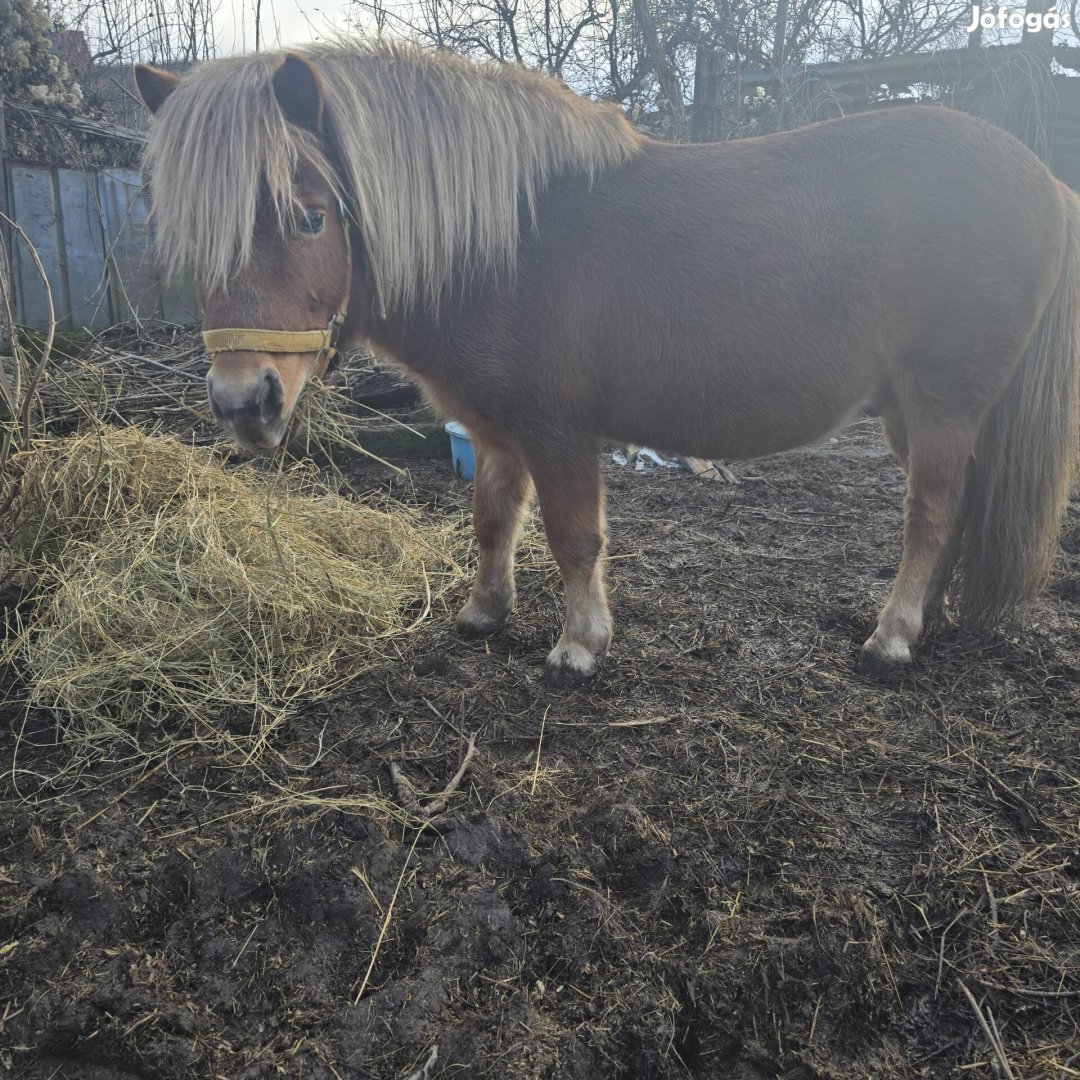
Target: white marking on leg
x,y
587,631
937,463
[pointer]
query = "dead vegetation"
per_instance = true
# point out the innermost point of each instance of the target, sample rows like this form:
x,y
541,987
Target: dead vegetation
x,y
730,856
167,588
232,847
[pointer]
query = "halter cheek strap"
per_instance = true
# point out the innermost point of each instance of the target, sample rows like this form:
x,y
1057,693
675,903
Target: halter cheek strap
x,y
253,339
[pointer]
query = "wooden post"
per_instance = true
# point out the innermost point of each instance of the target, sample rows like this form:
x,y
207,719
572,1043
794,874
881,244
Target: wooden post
x,y
705,113
5,236
779,39
1042,41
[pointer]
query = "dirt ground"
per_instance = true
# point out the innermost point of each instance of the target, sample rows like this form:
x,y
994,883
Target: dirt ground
x,y
729,856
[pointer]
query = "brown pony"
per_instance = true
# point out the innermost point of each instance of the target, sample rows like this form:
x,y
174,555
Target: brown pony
x,y
550,277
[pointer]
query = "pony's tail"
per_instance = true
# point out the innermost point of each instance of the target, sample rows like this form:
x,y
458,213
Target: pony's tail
x,y
1025,459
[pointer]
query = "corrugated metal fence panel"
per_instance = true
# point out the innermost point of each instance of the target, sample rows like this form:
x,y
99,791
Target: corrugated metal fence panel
x,y
85,300
178,303
92,235
33,206
135,282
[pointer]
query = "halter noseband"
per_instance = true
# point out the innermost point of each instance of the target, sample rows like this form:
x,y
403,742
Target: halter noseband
x,y
252,339
244,339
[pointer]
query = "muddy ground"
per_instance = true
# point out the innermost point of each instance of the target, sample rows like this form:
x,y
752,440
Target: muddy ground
x,y
729,856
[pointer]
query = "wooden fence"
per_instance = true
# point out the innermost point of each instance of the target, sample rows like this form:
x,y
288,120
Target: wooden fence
x,y
90,230
1010,85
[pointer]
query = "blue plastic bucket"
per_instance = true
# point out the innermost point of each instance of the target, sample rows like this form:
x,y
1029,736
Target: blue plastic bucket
x,y
461,450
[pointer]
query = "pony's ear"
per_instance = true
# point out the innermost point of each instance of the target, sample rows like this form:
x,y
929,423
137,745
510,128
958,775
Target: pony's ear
x,y
298,90
154,85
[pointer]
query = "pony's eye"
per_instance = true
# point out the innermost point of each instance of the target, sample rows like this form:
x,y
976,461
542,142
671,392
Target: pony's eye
x,y
311,223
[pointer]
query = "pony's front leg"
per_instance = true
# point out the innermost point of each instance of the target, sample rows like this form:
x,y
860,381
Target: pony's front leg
x,y
567,477
501,490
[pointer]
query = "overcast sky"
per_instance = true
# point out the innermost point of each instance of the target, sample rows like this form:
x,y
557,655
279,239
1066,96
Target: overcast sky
x,y
296,22
284,22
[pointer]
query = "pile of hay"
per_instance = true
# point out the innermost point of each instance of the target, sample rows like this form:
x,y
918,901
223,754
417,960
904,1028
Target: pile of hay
x,y
168,584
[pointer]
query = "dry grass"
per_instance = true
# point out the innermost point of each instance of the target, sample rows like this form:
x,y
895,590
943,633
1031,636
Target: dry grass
x,y
728,856
157,380
171,587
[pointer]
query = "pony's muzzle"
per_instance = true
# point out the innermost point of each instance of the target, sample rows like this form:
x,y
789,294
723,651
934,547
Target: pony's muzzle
x,y
248,398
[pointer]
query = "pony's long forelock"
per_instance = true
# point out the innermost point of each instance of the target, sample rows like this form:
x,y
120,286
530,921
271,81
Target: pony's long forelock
x,y
219,144
437,155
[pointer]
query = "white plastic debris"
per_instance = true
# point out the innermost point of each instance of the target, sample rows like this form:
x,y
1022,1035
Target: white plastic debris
x,y
424,1072
643,456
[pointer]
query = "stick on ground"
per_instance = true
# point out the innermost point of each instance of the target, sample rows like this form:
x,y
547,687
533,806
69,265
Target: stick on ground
x,y
991,1033
437,805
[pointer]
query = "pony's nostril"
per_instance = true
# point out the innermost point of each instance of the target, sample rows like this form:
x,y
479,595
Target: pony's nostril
x,y
246,403
271,397
215,409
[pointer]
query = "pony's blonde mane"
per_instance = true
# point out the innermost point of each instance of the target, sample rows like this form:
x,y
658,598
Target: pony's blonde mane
x,y
437,154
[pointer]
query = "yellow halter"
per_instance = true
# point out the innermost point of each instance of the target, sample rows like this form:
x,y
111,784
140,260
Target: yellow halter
x,y
249,339
252,339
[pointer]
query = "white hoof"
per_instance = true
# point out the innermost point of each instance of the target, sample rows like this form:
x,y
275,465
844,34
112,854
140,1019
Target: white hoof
x,y
885,653
570,663
474,620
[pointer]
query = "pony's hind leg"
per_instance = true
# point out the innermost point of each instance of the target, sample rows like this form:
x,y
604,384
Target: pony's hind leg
x,y
501,490
567,477
896,434
937,466
895,429
934,607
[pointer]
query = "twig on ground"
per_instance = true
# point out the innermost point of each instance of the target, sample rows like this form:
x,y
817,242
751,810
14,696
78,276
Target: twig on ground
x,y
990,1032
437,805
386,919
703,469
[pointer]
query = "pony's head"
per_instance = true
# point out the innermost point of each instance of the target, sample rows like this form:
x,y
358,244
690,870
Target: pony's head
x,y
441,162
271,255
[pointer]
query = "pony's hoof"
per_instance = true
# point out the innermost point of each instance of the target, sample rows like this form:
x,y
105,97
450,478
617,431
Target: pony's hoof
x,y
473,621
883,666
570,665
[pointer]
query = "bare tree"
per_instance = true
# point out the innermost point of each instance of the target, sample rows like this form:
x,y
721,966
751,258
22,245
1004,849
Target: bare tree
x,y
659,60
158,31
651,54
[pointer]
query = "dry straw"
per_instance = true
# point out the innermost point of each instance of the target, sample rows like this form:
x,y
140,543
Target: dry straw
x,y
159,383
172,587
